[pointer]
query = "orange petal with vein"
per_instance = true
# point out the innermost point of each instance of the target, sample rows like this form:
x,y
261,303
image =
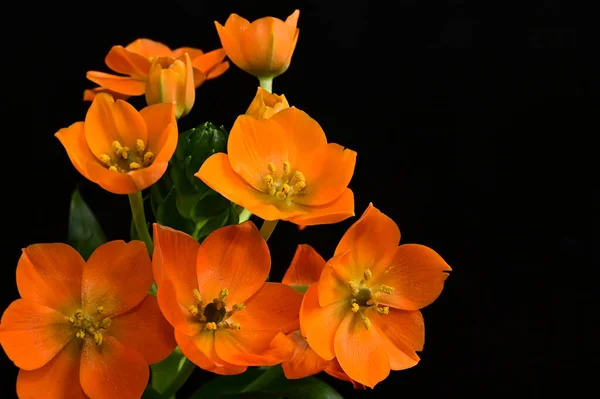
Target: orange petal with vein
x,y
306,266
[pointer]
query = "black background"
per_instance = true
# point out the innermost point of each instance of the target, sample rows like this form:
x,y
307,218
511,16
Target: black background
x,y
474,124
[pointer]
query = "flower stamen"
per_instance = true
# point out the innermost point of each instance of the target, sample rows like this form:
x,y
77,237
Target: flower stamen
x,y
90,325
125,160
214,314
287,184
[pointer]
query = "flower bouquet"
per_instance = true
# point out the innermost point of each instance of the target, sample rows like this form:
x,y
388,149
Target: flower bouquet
x,y
191,288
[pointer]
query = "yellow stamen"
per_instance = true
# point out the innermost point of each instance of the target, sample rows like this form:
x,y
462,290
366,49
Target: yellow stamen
x,y
100,309
105,158
124,153
78,314
98,338
367,274
299,186
366,322
113,168
239,306
117,147
148,158
134,165
197,296
106,322
80,334
139,145
372,302
272,168
235,326
352,285
286,169
386,289
383,310
355,307
193,309
223,294
211,326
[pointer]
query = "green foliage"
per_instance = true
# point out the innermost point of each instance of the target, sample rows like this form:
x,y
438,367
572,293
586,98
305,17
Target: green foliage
x,y
85,233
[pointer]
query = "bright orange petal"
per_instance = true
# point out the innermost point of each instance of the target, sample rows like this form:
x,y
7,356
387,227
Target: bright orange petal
x,y
252,348
58,379
274,307
138,179
319,324
123,85
217,173
193,348
335,370
292,19
124,61
401,334
304,362
328,185
306,266
230,38
174,304
359,351
267,46
149,48
209,61
193,52
417,274
50,275
162,130
32,334
145,329
112,370
340,209
334,280
108,120
373,240
236,258
174,251
218,70
117,276
90,94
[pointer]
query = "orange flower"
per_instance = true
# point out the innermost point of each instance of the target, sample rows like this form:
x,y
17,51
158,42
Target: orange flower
x,y
225,316
262,48
283,168
305,269
364,310
135,61
172,81
122,150
84,329
265,104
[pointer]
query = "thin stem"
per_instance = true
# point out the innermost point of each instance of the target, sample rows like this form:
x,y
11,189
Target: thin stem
x,y
245,215
184,373
266,84
267,228
139,220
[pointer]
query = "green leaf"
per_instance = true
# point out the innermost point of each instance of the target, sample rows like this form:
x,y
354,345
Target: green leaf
x,y
175,369
265,382
85,234
151,393
167,215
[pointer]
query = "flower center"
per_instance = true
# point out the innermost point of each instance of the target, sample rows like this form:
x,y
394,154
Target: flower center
x,y
124,159
90,326
364,297
285,184
214,314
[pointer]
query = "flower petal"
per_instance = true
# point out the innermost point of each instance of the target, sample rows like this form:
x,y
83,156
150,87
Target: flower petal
x,y
50,275
193,52
336,211
192,347
417,274
124,85
334,178
174,305
32,334
127,62
229,36
108,120
211,63
90,94
335,370
252,348
359,351
233,257
175,254
319,324
274,307
304,362
306,266
117,276
58,379
373,240
162,130
334,281
401,334
112,370
149,48
145,329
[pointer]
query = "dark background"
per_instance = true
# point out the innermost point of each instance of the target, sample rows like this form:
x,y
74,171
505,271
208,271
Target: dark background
x,y
473,122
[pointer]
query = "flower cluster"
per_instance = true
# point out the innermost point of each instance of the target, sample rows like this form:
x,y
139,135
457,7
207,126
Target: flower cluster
x,y
196,286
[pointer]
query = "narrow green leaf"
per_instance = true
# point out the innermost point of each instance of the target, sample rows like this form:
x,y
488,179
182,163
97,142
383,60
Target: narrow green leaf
x,y
151,393
165,372
85,233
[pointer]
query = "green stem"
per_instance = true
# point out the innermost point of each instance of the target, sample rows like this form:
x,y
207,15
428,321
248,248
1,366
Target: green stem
x,y
184,373
245,215
267,377
139,220
266,84
267,228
